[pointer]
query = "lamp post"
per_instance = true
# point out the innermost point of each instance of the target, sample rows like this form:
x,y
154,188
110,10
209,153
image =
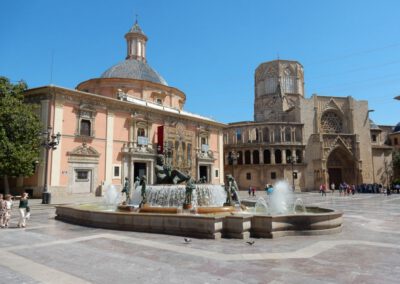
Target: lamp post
x,y
292,160
50,143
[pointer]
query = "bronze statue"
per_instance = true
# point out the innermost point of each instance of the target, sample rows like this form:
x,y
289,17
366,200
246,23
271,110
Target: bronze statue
x,y
143,181
188,193
127,190
166,175
231,189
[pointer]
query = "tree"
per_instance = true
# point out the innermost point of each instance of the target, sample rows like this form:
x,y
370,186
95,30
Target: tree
x,y
19,132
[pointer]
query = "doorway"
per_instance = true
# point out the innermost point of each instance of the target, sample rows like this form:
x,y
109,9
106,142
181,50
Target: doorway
x,y
203,172
139,170
340,167
335,176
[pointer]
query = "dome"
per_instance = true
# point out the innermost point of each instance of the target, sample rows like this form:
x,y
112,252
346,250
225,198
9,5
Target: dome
x,y
134,69
397,128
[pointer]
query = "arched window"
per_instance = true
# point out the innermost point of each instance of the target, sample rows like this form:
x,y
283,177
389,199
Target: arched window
x,y
141,136
238,135
247,159
267,157
331,123
288,136
240,158
288,155
86,127
141,132
278,157
299,156
277,133
256,157
298,134
266,135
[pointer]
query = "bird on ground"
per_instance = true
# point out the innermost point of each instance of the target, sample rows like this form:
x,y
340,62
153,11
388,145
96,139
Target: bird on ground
x,y
250,243
187,240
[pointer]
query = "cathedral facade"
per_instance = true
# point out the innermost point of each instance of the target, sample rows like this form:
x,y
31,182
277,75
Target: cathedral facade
x,y
307,141
117,126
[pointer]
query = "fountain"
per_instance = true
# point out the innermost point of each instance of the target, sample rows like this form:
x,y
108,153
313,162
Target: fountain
x,y
204,211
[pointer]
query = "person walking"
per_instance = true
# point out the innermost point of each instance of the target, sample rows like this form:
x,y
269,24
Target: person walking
x,y
23,210
250,190
333,187
253,191
7,215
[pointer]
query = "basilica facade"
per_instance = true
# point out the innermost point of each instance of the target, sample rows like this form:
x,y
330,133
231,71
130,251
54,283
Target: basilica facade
x,y
307,141
117,126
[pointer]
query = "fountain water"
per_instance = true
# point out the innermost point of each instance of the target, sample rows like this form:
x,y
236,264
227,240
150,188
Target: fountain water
x,y
205,195
280,198
111,196
261,206
299,204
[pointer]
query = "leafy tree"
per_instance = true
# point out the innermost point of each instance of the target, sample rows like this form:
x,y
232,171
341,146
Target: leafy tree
x,y
19,129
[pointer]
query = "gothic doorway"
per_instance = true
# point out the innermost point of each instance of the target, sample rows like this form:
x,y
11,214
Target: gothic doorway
x,y
335,176
340,167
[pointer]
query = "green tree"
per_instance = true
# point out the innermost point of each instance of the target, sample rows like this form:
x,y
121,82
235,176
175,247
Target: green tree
x,y
19,129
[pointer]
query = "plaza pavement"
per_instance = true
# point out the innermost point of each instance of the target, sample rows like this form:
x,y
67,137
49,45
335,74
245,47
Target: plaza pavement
x,y
50,251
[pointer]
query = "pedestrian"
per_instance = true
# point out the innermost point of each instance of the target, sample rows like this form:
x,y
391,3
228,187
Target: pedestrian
x,y
333,187
322,189
24,210
250,190
7,215
2,210
253,190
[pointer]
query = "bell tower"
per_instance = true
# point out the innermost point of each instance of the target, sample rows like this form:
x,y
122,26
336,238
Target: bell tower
x,y
278,85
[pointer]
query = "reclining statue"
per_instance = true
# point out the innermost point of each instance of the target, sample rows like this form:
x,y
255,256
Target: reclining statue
x,y
166,175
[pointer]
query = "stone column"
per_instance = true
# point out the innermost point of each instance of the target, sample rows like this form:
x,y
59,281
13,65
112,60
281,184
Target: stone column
x,y
109,147
261,155
56,154
283,156
272,151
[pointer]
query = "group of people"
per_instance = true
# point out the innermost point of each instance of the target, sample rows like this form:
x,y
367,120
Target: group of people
x,y
252,190
344,189
6,205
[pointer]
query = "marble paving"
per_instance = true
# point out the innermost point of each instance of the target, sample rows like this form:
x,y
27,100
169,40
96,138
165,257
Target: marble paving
x,y
50,251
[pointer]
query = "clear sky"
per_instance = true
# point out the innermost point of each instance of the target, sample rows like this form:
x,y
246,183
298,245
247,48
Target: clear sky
x,y
210,49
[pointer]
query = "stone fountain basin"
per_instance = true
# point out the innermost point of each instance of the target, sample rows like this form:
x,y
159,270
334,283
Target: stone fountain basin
x,y
175,210
190,225
210,226
316,221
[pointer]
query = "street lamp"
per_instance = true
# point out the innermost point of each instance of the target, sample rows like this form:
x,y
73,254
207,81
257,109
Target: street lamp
x,y
50,143
292,160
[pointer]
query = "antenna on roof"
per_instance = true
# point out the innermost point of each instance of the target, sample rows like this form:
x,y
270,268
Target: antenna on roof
x,y
137,16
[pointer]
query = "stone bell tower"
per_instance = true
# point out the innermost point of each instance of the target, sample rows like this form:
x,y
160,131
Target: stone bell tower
x,y
278,86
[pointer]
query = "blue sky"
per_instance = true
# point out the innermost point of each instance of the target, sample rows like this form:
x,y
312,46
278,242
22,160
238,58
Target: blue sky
x,y
210,49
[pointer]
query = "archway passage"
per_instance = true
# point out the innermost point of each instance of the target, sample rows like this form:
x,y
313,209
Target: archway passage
x,y
340,167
